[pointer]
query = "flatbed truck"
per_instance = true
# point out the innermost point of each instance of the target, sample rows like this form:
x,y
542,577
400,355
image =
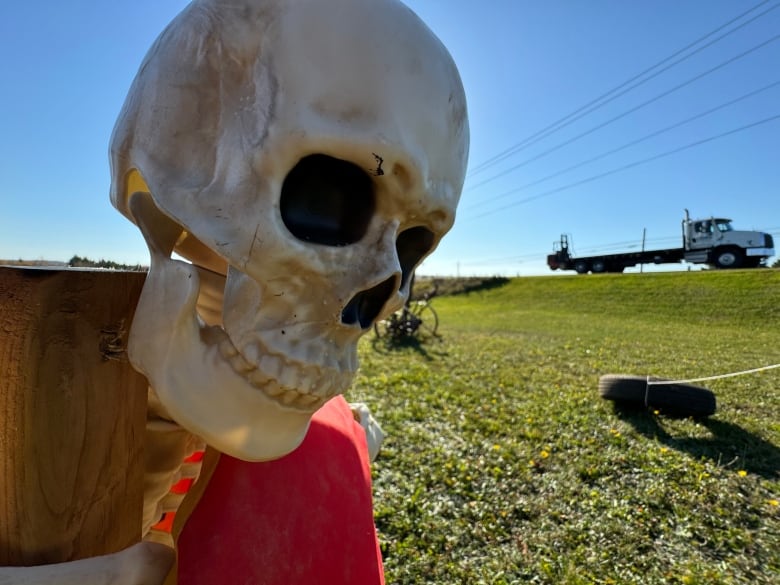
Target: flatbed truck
x,y
711,241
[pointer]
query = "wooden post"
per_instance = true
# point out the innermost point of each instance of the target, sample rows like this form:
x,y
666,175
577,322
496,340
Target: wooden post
x,y
72,415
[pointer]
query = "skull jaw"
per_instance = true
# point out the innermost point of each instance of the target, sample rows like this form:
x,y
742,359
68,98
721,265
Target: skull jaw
x,y
195,383
198,375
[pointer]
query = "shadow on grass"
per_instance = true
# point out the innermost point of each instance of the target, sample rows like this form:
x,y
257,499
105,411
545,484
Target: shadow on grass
x,y
729,445
408,342
429,287
478,285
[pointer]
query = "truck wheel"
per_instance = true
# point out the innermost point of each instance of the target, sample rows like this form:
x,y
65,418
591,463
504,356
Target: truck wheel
x,y
671,399
581,266
728,258
599,265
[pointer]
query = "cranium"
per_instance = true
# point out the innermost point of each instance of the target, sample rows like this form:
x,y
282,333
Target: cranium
x,y
312,152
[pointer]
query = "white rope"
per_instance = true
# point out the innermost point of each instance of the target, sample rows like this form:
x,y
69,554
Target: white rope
x,y
688,381
718,377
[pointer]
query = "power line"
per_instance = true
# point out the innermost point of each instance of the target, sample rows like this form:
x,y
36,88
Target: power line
x,y
627,145
629,111
631,165
494,261
594,104
632,244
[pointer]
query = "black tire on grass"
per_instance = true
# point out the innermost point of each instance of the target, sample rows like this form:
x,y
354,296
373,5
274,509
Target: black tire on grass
x,y
672,399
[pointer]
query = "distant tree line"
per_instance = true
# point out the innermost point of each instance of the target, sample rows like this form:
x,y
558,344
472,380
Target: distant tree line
x,y
79,262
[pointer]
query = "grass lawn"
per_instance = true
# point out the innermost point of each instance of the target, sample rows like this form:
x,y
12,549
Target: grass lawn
x,y
503,465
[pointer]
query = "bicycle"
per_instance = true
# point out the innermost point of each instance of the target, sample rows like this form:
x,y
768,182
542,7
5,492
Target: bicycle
x,y
415,319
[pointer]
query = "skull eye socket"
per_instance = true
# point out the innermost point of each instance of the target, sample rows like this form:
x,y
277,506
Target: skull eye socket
x,y
327,201
412,246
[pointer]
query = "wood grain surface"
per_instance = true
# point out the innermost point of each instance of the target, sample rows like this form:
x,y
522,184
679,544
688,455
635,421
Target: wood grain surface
x,y
72,415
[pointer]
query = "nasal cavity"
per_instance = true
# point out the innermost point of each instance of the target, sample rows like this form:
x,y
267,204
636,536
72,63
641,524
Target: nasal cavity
x,y
365,306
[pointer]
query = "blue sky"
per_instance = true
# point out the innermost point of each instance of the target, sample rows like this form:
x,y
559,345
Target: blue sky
x,y
525,64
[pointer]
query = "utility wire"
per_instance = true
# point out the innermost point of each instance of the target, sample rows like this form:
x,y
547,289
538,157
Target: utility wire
x,y
626,145
631,165
511,259
594,104
631,244
598,106
629,111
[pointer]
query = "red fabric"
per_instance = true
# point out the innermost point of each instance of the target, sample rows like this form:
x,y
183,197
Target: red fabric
x,y
304,519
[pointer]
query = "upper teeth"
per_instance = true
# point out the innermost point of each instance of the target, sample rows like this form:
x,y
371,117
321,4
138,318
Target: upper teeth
x,y
291,384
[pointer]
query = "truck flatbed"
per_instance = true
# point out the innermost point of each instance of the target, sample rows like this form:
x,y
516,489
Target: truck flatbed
x,y
615,262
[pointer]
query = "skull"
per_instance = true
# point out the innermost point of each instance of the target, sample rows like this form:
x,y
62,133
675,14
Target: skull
x,y
313,154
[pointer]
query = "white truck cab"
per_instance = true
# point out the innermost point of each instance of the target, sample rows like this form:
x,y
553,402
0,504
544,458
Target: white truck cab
x,y
715,241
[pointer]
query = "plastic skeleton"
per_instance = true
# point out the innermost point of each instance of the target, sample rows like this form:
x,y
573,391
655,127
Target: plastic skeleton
x,y
301,158
169,447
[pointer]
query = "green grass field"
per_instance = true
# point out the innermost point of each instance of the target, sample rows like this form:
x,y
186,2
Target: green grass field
x,y
503,465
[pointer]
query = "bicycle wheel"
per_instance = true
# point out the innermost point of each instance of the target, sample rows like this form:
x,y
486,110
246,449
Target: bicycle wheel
x,y
429,320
